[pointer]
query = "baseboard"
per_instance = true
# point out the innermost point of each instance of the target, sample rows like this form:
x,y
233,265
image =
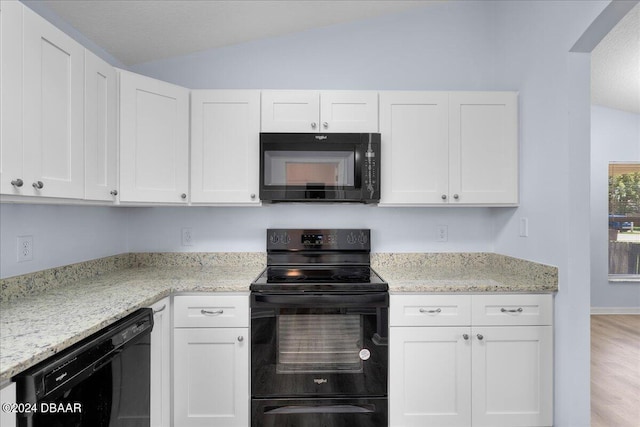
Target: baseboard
x,y
615,310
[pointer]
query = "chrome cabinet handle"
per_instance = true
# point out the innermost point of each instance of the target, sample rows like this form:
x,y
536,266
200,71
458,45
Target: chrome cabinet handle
x,y
465,336
480,337
444,197
325,125
114,192
240,338
424,310
313,125
38,185
455,196
515,310
17,182
253,196
160,309
183,195
211,313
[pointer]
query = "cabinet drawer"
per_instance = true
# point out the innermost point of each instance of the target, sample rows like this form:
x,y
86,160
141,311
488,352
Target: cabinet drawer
x,y
512,310
227,311
429,310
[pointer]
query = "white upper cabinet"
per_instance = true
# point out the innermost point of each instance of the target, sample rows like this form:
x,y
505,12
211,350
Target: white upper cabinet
x,y
483,144
154,140
319,111
225,146
449,148
53,109
12,178
100,129
348,111
42,107
414,147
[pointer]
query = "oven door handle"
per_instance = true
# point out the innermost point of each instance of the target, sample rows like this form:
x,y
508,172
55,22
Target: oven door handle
x,y
325,409
374,299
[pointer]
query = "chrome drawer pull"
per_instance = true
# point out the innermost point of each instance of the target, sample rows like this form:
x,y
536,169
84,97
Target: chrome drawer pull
x,y
160,309
518,310
424,310
211,313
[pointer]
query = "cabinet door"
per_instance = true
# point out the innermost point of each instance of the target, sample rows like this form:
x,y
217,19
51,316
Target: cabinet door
x,y
211,377
414,148
430,376
160,412
225,146
348,111
8,396
11,147
512,376
154,140
100,129
290,111
483,139
53,110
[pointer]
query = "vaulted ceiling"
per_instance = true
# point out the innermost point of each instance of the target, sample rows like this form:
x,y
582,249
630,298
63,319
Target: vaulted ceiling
x,y
137,31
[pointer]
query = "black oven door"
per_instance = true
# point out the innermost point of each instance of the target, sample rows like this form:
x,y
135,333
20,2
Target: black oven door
x,y
319,345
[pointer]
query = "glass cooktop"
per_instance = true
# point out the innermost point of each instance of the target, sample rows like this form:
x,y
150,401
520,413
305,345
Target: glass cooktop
x,y
319,278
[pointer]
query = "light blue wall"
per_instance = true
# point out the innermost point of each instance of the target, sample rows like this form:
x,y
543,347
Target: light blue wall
x,y
442,46
615,136
61,235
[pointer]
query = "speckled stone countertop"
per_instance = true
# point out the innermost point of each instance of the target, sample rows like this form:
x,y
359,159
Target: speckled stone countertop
x,y
37,324
45,312
463,272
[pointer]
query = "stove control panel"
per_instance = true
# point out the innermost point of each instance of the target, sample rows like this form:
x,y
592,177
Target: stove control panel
x,y
318,239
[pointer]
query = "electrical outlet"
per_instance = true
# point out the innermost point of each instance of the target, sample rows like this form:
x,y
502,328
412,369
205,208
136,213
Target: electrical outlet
x,y
442,233
187,237
25,248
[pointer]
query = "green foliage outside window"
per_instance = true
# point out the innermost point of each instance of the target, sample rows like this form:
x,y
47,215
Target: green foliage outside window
x,y
624,193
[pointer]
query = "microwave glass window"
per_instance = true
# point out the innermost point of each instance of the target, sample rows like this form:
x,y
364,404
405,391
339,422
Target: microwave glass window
x,y
319,343
302,168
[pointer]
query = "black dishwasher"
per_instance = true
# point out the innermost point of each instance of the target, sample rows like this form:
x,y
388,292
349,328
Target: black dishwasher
x,y
102,381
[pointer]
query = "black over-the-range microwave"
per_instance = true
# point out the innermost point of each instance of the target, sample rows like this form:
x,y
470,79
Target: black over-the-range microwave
x,y
315,167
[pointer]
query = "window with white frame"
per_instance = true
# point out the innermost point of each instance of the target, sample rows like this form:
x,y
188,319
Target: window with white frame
x,y
624,221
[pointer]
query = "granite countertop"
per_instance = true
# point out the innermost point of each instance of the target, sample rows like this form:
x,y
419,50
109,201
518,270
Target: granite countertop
x,y
34,327
45,312
464,273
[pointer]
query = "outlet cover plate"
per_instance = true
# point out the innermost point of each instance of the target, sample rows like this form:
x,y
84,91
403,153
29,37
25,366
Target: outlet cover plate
x,y
25,248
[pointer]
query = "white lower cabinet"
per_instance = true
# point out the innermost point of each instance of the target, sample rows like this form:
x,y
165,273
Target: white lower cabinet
x,y
211,363
496,373
161,364
8,396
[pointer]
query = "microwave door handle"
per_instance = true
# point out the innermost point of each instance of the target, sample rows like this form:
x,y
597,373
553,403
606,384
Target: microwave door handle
x,y
324,409
360,157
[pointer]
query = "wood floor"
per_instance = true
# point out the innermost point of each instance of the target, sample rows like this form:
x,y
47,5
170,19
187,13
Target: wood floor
x,y
615,371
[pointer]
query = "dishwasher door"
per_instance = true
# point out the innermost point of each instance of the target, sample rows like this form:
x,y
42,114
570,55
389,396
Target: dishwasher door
x,y
102,381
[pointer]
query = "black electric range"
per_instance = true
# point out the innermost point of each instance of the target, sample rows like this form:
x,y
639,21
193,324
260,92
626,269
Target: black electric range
x,y
318,260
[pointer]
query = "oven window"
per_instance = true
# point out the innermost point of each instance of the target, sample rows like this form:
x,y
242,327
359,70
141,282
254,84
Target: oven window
x,y
303,168
319,343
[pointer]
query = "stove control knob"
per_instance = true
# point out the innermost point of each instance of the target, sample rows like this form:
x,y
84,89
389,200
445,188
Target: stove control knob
x,y
362,239
351,239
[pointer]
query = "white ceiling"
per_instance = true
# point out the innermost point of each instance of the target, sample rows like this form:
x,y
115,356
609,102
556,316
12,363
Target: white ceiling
x,y
615,66
137,31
